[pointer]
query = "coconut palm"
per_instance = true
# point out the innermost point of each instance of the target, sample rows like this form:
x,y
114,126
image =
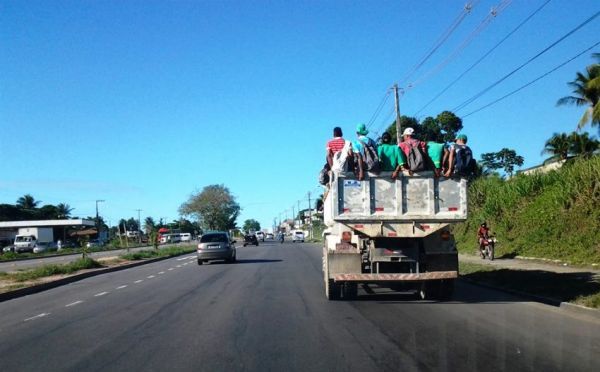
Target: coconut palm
x,y
27,202
586,92
558,146
63,210
582,145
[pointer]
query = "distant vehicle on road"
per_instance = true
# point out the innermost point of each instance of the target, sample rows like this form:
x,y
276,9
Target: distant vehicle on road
x,y
298,236
41,247
9,248
216,246
260,236
270,236
250,239
186,237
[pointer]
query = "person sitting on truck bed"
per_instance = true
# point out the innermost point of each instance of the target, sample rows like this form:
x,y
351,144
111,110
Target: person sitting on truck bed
x,y
460,158
436,149
392,159
409,142
334,145
358,148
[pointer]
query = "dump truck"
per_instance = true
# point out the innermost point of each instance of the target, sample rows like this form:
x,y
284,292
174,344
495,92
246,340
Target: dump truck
x,y
387,233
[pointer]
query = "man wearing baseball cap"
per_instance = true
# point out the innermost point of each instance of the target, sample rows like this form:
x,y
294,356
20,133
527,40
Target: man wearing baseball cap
x,y
460,145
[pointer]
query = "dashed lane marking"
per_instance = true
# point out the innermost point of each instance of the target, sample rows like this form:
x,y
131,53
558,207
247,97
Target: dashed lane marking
x,y
138,281
73,303
178,266
37,316
100,294
170,268
160,273
122,286
150,276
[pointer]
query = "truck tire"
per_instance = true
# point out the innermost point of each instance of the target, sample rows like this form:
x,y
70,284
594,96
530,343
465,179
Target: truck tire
x,y
349,290
439,290
332,290
199,262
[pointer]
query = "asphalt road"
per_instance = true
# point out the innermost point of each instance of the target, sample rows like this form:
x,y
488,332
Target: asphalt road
x,y
6,266
269,313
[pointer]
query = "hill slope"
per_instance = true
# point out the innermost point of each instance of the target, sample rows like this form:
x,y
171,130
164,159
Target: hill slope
x,y
554,215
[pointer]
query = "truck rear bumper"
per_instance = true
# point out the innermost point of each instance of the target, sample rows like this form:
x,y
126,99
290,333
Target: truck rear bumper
x,y
434,275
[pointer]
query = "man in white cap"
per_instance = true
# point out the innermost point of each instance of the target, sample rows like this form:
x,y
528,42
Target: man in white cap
x,y
409,142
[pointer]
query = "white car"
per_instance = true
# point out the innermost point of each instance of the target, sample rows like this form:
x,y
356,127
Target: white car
x,y
298,236
260,236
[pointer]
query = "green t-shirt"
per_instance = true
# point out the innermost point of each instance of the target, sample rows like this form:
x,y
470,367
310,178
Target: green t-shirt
x,y
390,157
435,151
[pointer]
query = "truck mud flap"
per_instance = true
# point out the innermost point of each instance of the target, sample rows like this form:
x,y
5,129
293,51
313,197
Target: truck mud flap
x,y
435,275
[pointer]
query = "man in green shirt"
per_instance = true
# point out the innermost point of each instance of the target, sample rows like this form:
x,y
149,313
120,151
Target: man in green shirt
x,y
392,159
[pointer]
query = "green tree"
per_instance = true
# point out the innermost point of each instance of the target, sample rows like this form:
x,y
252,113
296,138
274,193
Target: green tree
x,y
505,159
442,128
450,125
63,211
149,225
215,206
27,202
558,146
251,224
405,122
586,92
47,212
582,145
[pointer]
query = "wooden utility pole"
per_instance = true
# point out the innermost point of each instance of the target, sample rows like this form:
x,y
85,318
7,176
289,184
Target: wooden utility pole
x,y
310,217
398,128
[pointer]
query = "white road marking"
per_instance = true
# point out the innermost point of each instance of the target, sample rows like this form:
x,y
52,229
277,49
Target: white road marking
x,y
37,316
160,273
178,266
100,294
170,268
139,281
150,276
122,286
73,303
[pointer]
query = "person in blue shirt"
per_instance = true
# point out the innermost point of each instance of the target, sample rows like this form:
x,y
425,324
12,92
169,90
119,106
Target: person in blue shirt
x,y
358,147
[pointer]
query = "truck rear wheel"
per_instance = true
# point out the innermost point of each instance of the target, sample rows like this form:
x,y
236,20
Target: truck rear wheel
x,y
441,290
332,290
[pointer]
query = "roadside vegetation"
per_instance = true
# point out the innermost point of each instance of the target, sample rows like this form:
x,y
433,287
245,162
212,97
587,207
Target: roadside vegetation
x,y
581,288
50,270
555,215
166,252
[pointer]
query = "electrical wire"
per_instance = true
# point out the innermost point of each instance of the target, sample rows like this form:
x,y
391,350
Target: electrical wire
x,y
445,35
531,82
482,57
487,89
378,109
486,21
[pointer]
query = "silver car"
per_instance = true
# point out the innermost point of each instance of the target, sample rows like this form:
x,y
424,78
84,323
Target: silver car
x,y
216,246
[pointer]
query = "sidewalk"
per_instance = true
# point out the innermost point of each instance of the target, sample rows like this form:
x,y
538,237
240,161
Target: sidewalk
x,y
526,264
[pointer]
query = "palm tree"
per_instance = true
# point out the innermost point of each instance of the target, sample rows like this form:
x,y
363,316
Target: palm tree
x,y
63,210
27,202
582,145
558,146
586,92
149,224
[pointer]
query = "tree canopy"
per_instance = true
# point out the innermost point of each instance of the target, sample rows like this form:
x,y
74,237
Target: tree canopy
x,y
215,207
442,128
505,159
251,224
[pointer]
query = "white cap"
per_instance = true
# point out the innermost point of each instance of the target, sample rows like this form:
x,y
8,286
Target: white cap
x,y
408,132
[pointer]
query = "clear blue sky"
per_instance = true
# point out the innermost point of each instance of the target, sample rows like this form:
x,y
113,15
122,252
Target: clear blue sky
x,y
141,103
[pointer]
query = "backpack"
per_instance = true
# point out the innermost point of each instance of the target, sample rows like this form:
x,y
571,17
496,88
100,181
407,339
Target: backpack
x,y
372,163
416,158
324,175
464,164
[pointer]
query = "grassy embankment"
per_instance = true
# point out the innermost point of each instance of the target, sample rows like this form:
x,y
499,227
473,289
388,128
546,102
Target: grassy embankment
x,y
555,215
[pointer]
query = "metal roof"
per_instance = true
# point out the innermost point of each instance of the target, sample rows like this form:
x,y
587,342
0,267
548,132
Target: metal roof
x,y
46,223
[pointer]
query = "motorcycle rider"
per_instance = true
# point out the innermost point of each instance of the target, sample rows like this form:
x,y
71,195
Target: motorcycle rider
x,y
483,234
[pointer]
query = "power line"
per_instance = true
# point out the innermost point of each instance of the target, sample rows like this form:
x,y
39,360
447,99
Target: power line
x,y
445,35
378,109
486,21
483,57
481,93
531,82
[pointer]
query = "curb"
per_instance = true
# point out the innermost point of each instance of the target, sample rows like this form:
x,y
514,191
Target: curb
x,y
77,277
564,306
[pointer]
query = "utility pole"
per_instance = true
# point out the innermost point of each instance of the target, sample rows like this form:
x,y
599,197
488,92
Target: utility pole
x,y
300,219
139,226
293,218
398,128
310,231
98,219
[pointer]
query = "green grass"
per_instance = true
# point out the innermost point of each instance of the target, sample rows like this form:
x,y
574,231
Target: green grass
x,y
166,252
49,270
581,287
555,215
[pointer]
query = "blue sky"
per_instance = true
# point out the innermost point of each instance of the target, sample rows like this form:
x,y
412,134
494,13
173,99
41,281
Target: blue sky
x,y
141,103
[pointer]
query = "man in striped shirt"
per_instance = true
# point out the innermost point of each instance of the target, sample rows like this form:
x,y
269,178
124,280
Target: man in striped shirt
x,y
334,145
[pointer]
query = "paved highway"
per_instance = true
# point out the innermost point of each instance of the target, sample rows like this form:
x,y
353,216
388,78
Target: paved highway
x,y
269,313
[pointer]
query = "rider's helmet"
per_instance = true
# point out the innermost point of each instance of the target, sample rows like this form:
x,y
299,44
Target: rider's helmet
x,y
483,224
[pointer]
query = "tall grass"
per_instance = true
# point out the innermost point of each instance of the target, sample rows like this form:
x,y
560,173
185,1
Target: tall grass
x,y
553,215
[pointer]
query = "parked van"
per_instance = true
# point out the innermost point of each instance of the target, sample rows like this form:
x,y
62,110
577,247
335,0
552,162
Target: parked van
x,y
186,237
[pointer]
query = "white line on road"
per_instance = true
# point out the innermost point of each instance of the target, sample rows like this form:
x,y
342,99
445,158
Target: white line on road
x,y
150,276
122,286
100,294
37,316
73,303
170,268
139,281
160,273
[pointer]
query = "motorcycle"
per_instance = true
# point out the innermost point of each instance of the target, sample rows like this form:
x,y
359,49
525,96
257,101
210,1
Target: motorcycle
x,y
487,248
281,238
